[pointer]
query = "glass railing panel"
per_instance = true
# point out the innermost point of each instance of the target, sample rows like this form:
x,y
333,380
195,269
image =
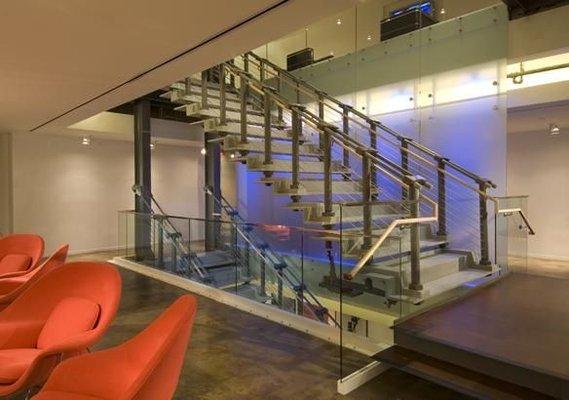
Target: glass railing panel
x,y
512,229
372,296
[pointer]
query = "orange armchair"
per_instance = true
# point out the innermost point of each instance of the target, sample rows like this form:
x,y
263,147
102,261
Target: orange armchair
x,y
146,367
20,253
12,287
60,315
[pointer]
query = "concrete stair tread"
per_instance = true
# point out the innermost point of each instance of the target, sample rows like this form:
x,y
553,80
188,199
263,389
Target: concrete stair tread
x,y
452,281
315,187
234,129
230,115
256,164
258,146
391,249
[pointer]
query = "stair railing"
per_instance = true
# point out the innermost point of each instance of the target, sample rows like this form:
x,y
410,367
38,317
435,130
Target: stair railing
x,y
409,149
171,231
271,259
332,135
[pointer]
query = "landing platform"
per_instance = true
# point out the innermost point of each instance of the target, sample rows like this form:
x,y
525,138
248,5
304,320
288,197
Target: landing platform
x,y
516,330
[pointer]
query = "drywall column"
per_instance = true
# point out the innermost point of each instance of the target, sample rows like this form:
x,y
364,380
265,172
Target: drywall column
x,y
213,181
5,184
142,179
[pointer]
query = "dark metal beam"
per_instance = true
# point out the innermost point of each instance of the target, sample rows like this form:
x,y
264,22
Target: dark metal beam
x,y
212,180
142,178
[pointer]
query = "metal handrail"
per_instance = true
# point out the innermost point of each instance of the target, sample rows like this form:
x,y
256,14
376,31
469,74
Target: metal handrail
x,y
319,95
394,224
509,211
340,137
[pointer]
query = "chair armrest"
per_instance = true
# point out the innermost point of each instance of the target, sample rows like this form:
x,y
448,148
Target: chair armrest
x,y
19,334
106,374
8,285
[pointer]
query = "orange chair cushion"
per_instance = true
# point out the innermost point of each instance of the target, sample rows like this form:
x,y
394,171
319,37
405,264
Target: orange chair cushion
x,y
14,362
71,316
15,263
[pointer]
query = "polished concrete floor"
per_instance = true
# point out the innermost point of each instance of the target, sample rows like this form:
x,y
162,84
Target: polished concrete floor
x,y
235,355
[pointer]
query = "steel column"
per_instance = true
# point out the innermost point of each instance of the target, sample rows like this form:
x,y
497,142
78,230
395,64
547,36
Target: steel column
x,y
142,179
279,90
188,83
296,132
367,199
346,130
327,152
321,116
442,196
373,145
414,195
243,93
159,260
262,71
222,97
204,90
213,181
267,92
263,290
484,246
404,163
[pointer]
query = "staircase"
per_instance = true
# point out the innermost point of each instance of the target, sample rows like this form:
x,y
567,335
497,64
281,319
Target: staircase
x,y
410,223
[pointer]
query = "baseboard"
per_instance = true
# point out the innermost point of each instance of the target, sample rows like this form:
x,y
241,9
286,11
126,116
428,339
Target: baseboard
x,y
95,250
548,257
361,377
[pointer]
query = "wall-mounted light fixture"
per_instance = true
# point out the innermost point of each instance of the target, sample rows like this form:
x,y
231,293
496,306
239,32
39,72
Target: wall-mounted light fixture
x,y
443,11
86,140
339,21
203,151
368,37
152,145
232,155
554,129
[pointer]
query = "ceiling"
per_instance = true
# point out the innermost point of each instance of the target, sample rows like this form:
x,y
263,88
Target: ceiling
x,y
66,60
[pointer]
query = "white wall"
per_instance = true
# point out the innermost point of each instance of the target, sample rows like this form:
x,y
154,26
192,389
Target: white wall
x,y
538,165
5,183
70,193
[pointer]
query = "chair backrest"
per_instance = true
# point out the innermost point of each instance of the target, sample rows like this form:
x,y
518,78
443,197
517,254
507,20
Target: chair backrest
x,y
99,283
28,244
162,348
56,260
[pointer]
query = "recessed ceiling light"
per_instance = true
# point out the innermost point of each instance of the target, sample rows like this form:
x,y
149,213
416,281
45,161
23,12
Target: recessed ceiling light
x,y
554,130
86,141
338,21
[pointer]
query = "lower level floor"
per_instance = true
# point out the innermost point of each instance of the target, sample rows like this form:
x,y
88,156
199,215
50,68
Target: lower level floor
x,y
235,355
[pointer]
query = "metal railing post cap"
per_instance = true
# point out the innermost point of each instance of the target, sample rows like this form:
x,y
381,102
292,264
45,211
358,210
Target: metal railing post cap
x,y
269,88
299,107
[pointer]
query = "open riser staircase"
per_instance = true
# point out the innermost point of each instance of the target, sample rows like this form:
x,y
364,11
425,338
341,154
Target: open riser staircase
x,y
410,223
